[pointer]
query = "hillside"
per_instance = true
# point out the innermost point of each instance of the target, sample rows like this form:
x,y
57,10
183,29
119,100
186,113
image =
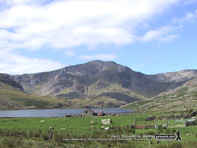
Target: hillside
x,y
12,96
179,99
6,79
178,76
96,79
96,84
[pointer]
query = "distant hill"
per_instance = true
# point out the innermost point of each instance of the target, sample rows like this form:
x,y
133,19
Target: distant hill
x,y
179,76
179,99
99,84
6,79
12,96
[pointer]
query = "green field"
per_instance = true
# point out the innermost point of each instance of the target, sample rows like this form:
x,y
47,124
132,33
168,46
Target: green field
x,y
53,132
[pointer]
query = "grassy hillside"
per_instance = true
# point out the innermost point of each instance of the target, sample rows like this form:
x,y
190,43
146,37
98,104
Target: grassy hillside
x,y
107,96
181,98
12,98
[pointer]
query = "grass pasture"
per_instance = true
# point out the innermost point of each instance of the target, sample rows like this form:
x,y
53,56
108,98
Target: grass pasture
x,y
21,132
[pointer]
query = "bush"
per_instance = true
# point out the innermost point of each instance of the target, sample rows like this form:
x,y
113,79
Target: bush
x,y
8,142
45,136
37,135
19,142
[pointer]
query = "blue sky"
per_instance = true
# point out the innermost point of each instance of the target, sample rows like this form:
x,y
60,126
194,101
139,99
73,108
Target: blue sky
x,y
150,36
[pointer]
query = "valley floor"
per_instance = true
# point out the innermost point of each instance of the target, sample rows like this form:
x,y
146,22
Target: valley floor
x,y
90,132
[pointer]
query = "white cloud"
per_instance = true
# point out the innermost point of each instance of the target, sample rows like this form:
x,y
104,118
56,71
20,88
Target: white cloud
x,y
161,34
107,57
169,38
64,24
36,25
189,17
13,63
69,53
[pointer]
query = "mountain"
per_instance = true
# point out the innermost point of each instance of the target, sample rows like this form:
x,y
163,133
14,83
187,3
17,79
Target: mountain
x,y
101,84
182,98
96,84
12,96
179,76
6,79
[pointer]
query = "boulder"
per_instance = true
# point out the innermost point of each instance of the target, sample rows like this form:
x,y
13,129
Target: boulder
x,y
106,121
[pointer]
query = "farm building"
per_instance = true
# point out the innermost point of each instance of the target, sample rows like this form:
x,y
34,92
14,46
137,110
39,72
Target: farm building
x,y
91,112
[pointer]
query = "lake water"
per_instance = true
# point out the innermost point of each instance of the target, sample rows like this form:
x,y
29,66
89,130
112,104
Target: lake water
x,y
59,112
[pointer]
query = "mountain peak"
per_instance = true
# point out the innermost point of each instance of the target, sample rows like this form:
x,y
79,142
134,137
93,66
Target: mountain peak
x,y
96,77
98,62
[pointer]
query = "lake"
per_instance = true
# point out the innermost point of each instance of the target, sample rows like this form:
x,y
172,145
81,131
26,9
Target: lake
x,y
58,112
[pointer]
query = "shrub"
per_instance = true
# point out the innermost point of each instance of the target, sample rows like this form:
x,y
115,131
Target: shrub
x,y
45,136
19,142
37,135
8,142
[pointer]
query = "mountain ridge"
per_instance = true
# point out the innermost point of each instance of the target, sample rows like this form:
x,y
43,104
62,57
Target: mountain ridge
x,y
98,82
181,98
85,75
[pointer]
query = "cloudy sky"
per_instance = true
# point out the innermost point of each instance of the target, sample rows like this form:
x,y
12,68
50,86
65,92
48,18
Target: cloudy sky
x,y
150,36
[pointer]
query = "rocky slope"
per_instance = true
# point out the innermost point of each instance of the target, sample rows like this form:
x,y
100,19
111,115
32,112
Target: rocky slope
x,y
93,84
182,98
12,96
6,79
179,76
98,79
